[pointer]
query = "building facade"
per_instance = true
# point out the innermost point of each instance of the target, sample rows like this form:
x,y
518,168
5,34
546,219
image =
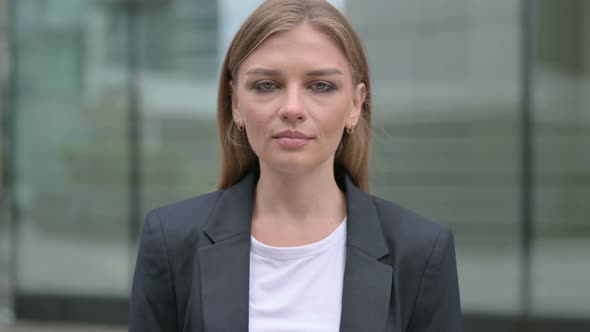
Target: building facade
x,y
482,122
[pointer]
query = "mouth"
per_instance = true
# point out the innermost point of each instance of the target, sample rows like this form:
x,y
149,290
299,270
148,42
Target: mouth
x,y
292,139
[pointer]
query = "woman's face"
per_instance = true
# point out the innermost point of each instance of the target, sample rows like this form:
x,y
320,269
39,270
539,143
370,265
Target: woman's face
x,y
295,95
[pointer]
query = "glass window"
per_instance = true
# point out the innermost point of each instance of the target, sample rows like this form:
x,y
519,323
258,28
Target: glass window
x,y
6,243
177,84
71,186
446,104
562,164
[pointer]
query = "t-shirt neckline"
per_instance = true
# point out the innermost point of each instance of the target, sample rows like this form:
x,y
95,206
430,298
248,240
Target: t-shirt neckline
x,y
338,235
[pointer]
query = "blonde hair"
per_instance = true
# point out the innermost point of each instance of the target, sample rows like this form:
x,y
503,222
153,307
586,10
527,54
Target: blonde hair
x,y
274,16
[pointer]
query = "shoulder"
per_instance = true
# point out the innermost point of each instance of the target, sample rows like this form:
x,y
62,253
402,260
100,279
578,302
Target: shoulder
x,y
403,221
191,211
411,236
422,252
183,221
422,257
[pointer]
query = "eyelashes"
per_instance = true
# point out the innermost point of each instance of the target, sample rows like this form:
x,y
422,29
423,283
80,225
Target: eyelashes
x,y
322,86
265,86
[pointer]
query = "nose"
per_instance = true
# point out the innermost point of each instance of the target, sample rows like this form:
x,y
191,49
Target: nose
x,y
292,109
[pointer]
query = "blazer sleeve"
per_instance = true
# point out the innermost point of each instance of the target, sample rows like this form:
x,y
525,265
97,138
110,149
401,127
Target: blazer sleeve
x,y
153,304
438,306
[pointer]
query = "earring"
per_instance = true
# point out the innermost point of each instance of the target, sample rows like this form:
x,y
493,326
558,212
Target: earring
x,y
350,129
238,123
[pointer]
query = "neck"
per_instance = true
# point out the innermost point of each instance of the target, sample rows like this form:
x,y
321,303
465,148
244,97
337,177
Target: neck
x,y
299,199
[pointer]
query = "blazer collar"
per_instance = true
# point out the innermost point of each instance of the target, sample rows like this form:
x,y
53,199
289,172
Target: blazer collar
x,y
233,216
363,225
224,264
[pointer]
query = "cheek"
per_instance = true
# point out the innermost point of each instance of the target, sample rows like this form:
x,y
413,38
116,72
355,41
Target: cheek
x,y
249,110
334,120
257,119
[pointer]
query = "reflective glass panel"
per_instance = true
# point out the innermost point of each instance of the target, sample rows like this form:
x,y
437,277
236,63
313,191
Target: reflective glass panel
x,y
6,244
446,103
562,163
177,82
71,169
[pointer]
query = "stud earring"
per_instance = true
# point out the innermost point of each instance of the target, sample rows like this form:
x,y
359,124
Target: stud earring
x,y
350,129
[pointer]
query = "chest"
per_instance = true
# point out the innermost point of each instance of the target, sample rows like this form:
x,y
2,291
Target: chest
x,y
296,290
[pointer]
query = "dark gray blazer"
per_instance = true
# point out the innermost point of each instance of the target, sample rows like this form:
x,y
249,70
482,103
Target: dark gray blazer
x,y
192,268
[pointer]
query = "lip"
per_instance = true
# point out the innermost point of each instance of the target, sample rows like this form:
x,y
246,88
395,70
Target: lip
x,y
292,139
292,134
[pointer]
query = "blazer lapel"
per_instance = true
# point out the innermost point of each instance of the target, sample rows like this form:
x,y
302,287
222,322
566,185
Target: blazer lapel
x,y
367,283
225,263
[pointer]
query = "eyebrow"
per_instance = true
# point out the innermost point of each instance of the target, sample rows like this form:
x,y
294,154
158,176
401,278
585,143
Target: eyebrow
x,y
323,72
262,71
275,72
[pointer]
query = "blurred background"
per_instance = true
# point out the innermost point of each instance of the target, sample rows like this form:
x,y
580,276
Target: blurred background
x,y
482,122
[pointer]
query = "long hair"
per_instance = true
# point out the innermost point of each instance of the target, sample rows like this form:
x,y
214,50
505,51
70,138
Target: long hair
x,y
271,17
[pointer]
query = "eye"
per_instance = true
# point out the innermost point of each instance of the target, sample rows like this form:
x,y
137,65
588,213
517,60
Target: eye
x,y
322,86
265,86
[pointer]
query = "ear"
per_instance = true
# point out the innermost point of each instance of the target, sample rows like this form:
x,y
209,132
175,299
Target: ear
x,y
234,100
360,93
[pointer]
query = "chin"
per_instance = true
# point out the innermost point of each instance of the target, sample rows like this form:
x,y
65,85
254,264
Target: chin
x,y
291,167
295,165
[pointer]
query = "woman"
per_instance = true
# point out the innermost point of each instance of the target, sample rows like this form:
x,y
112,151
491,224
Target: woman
x,y
291,241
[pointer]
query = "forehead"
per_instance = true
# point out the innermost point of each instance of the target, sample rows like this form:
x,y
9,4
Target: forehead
x,y
303,48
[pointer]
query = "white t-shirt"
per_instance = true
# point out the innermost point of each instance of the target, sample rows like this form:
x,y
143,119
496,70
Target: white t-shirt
x,y
297,289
